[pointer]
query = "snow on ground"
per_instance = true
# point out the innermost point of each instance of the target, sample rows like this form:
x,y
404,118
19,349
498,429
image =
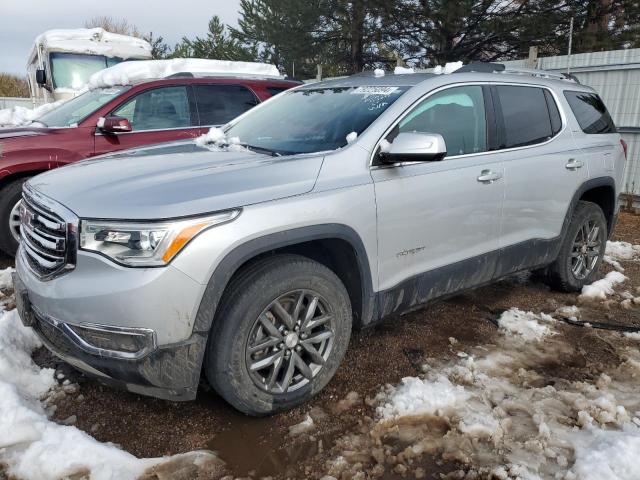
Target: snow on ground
x,y
599,289
620,251
126,72
525,324
33,447
494,413
17,116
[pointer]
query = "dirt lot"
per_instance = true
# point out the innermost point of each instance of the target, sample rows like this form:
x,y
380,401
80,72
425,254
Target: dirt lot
x,y
382,355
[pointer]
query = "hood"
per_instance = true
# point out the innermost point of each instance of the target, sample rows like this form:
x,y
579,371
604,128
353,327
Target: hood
x,y
21,131
175,184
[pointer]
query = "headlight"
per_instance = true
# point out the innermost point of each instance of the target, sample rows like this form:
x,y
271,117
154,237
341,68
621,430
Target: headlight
x,y
142,244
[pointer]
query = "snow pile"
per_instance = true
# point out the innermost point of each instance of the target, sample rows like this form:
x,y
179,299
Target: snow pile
x,y
620,251
416,396
599,289
403,70
216,141
33,447
17,116
5,278
506,411
126,72
524,324
449,67
378,72
352,137
94,41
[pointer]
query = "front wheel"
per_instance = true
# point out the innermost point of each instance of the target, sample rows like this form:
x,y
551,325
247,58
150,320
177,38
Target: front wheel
x,y
10,198
280,335
582,250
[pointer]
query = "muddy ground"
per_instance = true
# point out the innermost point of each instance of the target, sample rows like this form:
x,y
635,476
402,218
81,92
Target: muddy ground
x,y
384,354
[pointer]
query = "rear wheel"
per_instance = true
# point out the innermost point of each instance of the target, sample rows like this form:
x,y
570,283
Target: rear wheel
x,y
10,197
582,250
280,335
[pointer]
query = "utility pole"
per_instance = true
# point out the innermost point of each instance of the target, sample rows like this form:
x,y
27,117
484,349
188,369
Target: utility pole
x,y
570,44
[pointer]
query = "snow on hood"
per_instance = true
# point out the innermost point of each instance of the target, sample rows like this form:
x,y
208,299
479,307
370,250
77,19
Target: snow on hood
x,y
95,41
143,185
127,72
17,116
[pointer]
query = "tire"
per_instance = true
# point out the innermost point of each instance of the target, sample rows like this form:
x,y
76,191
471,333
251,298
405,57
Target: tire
x,y
292,280
9,197
561,274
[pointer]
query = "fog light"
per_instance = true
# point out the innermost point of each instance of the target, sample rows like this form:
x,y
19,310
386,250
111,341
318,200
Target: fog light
x,y
110,341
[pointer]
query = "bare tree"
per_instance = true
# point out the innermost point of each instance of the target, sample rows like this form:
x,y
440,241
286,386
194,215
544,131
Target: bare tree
x,y
114,25
13,86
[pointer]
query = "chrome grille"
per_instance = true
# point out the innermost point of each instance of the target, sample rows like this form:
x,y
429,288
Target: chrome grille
x,y
48,235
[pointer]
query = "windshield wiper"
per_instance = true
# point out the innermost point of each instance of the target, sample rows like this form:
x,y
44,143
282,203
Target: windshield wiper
x,y
268,151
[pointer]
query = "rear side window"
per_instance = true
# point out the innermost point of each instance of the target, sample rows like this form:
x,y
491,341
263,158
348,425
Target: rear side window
x,y
276,90
590,112
217,104
526,116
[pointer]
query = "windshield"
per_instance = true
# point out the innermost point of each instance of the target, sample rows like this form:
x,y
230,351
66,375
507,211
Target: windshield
x,y
76,109
72,70
304,121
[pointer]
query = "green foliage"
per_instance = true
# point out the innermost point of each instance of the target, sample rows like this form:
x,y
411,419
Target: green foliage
x,y
218,44
159,49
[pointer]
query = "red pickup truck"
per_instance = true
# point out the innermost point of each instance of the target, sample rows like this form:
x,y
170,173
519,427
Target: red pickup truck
x,y
115,118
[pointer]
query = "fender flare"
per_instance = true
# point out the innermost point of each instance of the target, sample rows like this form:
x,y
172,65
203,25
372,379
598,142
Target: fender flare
x,y
586,186
250,249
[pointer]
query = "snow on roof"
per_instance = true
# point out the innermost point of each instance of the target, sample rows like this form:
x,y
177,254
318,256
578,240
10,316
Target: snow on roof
x,y
96,41
127,72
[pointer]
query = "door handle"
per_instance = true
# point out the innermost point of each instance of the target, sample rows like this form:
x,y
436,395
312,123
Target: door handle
x,y
487,176
574,164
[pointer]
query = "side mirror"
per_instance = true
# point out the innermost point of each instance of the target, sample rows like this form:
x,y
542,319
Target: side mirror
x,y
41,77
114,125
415,147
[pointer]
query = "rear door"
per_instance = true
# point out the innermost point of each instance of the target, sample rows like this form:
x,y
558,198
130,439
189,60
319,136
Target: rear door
x,y
543,170
596,133
218,104
156,115
438,222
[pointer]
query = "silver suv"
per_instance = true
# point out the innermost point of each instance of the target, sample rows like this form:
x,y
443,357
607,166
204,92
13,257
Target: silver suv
x,y
251,254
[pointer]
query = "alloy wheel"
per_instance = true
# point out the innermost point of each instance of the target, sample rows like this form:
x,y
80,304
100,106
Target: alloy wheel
x,y
290,342
585,250
14,222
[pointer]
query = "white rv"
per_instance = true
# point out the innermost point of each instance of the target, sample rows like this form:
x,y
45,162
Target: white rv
x,y
61,61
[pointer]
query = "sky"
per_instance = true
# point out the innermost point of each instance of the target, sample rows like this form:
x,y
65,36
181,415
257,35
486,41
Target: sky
x,y
23,20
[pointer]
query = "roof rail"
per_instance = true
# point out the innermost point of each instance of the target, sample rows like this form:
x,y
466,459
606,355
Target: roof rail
x,y
490,67
181,75
534,72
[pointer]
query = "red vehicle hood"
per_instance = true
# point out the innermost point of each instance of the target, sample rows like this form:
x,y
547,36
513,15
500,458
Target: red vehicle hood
x,y
22,132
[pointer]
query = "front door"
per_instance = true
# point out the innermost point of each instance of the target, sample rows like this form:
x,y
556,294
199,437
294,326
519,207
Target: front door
x,y
438,222
156,115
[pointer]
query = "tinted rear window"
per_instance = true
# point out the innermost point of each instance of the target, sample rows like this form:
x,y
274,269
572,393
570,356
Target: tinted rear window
x,y
276,90
526,116
590,112
217,104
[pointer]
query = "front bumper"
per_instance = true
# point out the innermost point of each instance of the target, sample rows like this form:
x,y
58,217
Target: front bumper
x,y
170,370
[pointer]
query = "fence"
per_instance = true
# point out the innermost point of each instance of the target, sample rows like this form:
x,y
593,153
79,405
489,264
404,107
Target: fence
x,y
8,102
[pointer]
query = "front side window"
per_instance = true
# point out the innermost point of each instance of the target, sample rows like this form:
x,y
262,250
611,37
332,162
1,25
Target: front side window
x,y
313,119
218,104
526,116
458,114
590,112
157,109
77,109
